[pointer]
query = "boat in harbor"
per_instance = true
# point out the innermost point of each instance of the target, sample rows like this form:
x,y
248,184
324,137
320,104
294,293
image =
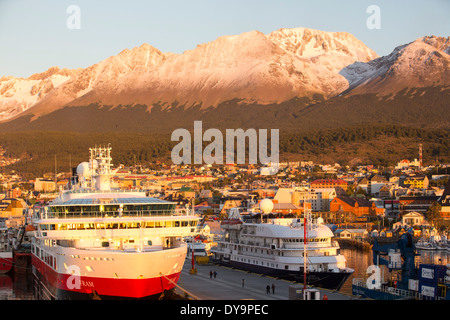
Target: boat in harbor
x,y
423,244
282,247
98,242
442,244
197,246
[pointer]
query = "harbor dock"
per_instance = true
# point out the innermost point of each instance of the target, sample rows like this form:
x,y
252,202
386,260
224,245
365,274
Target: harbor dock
x,y
227,285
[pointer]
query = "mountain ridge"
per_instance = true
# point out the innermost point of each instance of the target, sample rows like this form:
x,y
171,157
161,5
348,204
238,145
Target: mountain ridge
x,y
302,65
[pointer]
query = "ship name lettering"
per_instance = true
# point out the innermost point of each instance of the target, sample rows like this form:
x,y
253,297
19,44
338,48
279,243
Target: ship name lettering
x,y
87,283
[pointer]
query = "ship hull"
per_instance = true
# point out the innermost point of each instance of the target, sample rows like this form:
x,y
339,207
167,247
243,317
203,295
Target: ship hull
x,y
326,280
147,275
6,262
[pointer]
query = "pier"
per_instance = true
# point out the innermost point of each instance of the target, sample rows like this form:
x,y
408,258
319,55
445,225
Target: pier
x,y
227,285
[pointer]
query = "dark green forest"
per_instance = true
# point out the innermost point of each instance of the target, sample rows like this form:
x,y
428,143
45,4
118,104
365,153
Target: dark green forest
x,y
381,145
349,130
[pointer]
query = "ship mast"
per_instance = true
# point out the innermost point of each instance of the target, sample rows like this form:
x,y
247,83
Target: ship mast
x,y
100,165
305,242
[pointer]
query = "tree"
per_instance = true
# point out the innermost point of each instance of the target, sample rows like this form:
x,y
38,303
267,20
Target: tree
x,y
350,190
433,214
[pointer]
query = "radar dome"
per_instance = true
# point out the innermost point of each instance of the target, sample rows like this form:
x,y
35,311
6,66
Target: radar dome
x,y
266,206
83,169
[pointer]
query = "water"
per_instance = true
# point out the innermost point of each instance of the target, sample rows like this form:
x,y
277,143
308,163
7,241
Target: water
x,y
16,286
20,286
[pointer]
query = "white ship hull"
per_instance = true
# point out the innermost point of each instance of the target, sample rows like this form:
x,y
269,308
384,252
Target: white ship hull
x,y
75,273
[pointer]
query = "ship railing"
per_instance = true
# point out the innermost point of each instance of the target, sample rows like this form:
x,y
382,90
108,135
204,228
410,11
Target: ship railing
x,y
390,290
105,214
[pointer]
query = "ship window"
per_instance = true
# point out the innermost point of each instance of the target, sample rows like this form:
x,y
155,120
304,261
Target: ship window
x,y
177,223
150,224
89,268
133,225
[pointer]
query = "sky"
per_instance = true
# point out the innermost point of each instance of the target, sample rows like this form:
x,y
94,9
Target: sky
x,y
38,34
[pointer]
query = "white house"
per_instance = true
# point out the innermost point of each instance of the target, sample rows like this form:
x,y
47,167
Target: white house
x,y
413,219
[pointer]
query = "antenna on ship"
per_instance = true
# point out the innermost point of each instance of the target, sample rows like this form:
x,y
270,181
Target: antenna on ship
x,y
305,245
56,180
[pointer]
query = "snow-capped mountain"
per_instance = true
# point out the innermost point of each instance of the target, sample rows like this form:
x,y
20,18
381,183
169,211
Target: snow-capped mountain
x,y
18,94
421,63
252,67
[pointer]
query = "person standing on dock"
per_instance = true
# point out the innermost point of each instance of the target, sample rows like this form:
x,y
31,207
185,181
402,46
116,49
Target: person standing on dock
x,y
215,274
243,281
210,274
268,289
273,288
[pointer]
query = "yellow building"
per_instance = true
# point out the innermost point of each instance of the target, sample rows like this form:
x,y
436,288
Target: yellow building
x,y
416,182
13,213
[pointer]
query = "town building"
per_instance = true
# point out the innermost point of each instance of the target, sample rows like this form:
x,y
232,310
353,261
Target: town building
x,y
414,182
444,201
339,185
44,185
355,206
416,203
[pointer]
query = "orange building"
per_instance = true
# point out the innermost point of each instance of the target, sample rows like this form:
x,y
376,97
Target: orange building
x,y
357,206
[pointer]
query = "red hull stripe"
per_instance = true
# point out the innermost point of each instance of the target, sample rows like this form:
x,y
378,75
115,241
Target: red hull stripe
x,y
5,264
131,288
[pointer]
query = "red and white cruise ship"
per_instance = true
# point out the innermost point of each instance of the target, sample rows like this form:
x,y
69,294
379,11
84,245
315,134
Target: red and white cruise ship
x,y
96,242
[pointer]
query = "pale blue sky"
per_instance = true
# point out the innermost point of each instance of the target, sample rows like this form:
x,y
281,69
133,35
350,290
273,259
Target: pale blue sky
x,y
34,35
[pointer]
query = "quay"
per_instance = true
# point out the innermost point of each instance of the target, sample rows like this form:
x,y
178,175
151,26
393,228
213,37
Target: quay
x,y
227,285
